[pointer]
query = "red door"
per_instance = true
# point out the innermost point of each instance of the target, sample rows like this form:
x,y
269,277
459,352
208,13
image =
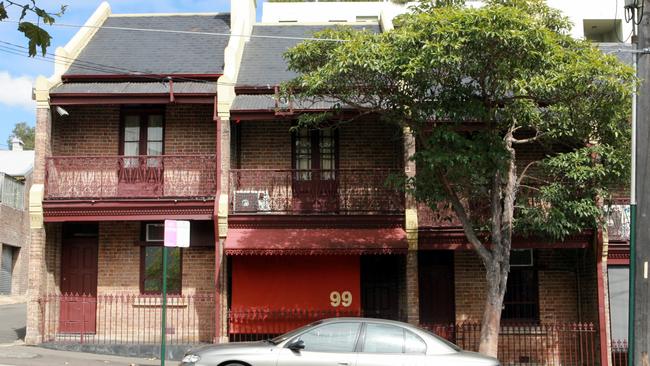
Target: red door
x,y
78,285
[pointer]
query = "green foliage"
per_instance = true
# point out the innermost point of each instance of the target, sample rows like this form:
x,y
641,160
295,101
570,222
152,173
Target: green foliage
x,y
25,133
35,34
331,1
472,82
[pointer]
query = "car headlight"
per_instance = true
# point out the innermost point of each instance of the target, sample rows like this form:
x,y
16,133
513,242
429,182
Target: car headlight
x,y
191,359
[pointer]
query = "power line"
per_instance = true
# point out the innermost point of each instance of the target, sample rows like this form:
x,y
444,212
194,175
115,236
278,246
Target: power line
x,y
17,50
190,32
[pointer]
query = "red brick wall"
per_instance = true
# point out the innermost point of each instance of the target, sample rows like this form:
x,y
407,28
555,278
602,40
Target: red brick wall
x,y
558,286
95,130
264,145
88,130
119,261
189,129
366,144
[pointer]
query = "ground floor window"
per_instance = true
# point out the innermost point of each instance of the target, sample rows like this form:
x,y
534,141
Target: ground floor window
x,y
618,277
521,301
151,270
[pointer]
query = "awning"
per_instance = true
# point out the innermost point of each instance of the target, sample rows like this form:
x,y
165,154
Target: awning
x,y
342,241
156,92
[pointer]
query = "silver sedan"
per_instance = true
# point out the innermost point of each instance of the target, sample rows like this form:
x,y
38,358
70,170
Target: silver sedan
x,y
342,342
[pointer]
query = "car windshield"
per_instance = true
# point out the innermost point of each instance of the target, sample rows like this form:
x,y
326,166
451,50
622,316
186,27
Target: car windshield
x,y
285,336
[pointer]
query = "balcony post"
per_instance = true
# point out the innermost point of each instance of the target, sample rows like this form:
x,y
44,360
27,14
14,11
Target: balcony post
x,y
411,220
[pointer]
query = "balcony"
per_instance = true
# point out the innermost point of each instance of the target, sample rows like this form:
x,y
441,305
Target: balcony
x,y
97,178
319,192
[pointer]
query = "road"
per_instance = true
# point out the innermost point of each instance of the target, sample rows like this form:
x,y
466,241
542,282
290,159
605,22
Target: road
x,y
12,323
35,356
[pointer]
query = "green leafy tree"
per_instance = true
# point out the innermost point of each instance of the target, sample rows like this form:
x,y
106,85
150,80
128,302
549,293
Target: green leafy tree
x,y
25,133
478,88
35,34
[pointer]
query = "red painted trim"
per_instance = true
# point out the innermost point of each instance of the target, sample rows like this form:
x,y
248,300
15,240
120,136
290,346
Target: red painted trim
x,y
103,99
323,251
143,77
315,221
618,261
251,89
454,239
126,210
602,319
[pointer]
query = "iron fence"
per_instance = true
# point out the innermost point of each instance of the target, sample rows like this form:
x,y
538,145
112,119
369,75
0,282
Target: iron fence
x,y
619,352
342,191
110,177
126,319
567,344
136,319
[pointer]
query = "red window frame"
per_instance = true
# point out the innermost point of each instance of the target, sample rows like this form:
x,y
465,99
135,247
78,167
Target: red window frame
x,y
143,115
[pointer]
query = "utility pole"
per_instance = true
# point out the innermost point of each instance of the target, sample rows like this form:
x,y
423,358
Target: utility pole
x,y
639,341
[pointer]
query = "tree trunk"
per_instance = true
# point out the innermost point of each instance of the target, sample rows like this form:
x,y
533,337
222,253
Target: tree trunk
x,y
489,343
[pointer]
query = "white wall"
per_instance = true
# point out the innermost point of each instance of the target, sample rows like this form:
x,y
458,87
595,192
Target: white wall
x,y
322,12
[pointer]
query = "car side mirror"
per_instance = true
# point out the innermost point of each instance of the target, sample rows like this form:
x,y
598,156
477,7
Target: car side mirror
x,y
297,345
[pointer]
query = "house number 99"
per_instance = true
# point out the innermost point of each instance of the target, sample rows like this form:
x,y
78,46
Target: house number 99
x,y
337,298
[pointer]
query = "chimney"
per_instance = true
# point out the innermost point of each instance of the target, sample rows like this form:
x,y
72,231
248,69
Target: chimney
x,y
17,144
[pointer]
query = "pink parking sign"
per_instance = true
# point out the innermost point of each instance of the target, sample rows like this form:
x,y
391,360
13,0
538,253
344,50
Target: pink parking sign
x,y
177,233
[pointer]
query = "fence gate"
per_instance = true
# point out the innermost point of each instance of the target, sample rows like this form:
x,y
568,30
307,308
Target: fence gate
x,y
6,269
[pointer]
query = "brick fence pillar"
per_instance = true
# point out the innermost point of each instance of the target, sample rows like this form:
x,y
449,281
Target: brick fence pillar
x,y
36,283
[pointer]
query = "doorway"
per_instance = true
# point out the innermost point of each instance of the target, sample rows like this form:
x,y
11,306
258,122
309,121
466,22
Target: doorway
x,y
380,290
79,260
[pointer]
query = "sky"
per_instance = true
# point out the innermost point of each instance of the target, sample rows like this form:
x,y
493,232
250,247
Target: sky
x,y
17,73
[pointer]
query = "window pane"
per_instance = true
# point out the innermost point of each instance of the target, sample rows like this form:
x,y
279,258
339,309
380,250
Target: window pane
x,y
414,344
327,154
132,148
132,128
382,338
154,148
303,155
155,128
521,301
153,270
338,337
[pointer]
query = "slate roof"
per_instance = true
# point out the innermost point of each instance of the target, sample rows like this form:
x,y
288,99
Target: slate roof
x,y
262,62
155,87
157,52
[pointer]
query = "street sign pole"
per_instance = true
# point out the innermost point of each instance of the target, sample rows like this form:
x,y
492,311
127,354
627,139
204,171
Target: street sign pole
x,y
163,330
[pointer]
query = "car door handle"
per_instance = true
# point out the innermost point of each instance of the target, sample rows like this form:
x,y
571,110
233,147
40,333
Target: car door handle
x,y
343,363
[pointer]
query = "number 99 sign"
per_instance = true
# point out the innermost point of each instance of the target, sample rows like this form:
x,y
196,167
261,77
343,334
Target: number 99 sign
x,y
340,298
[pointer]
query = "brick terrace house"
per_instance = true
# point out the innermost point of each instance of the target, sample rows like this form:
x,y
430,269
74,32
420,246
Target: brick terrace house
x,y
126,137
15,179
288,225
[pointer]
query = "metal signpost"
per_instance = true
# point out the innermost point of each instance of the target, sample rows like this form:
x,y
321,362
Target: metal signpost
x,y
177,235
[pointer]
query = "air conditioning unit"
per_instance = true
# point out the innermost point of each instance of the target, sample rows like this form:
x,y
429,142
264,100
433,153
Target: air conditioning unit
x,y
251,201
155,232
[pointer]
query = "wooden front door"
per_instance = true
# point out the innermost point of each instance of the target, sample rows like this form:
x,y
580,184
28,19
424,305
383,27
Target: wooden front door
x,y
78,285
315,178
380,285
437,295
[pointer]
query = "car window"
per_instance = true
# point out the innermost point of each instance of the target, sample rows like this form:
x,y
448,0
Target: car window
x,y
337,337
413,343
383,338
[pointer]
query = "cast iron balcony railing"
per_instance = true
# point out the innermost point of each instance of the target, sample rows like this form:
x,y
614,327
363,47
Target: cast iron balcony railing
x,y
291,191
130,177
